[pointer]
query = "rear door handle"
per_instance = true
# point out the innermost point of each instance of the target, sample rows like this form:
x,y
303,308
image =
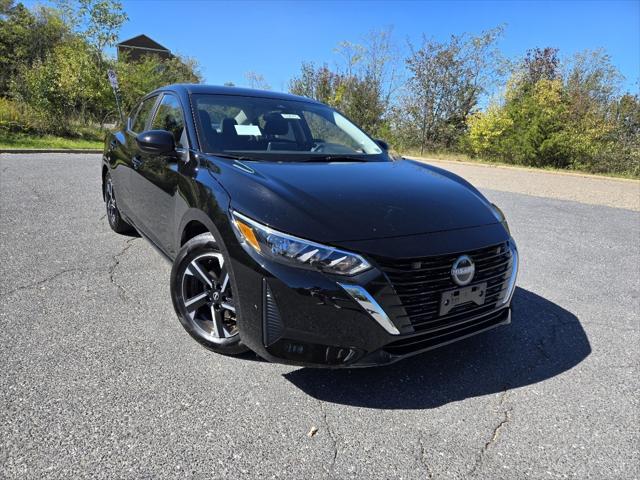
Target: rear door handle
x,y
136,161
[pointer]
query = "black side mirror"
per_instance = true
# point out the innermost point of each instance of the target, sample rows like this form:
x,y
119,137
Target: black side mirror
x,y
382,144
156,141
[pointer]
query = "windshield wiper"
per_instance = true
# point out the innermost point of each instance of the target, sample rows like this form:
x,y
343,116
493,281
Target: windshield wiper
x,y
315,158
231,156
336,158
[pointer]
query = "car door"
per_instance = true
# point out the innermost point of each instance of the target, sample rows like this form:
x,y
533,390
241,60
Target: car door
x,y
132,159
157,176
121,161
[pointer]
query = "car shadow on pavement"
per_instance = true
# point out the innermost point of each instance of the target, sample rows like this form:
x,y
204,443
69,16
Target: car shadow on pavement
x,y
543,340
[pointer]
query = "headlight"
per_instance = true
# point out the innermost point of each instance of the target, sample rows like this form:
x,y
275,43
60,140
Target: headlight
x,y
511,286
500,216
295,251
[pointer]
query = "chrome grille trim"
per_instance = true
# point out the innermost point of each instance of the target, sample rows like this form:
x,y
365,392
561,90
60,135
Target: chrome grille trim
x,y
369,305
419,283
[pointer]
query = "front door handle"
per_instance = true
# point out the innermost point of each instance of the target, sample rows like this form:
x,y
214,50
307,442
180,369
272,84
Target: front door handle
x,y
137,161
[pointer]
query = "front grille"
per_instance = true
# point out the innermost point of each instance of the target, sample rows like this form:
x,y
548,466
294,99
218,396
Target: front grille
x,y
456,331
420,282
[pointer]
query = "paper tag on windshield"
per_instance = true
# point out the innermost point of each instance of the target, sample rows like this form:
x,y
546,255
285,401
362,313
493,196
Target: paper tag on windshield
x,y
248,130
290,116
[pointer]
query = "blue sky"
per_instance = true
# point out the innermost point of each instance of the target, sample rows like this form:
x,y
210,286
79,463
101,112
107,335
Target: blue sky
x,y
273,38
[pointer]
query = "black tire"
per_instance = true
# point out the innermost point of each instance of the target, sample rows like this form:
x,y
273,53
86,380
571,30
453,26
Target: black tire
x,y
207,317
116,222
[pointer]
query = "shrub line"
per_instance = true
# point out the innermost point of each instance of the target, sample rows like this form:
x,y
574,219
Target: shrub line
x,y
50,150
524,168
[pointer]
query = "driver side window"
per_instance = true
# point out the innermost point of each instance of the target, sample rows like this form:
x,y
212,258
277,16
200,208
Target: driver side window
x,y
169,117
138,124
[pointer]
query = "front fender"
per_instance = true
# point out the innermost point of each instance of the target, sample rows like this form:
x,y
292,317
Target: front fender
x,y
202,199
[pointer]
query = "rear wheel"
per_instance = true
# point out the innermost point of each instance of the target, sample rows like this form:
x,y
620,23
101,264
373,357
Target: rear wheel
x,y
202,292
116,222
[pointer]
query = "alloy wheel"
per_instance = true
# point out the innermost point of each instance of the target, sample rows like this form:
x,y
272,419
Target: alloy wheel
x,y
207,297
112,209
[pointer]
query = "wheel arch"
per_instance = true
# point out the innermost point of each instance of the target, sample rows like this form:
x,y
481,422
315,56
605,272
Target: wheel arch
x,y
202,207
105,170
191,230
195,222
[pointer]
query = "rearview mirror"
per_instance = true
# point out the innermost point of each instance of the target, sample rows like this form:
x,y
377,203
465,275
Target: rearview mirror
x,y
382,144
156,141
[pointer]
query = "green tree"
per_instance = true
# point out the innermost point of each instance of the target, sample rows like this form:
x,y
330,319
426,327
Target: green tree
x,y
564,116
136,79
627,120
26,37
68,85
626,137
446,81
533,127
541,64
361,86
97,21
54,67
319,83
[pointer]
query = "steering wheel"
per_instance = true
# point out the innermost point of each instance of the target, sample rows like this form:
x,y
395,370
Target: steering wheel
x,y
317,147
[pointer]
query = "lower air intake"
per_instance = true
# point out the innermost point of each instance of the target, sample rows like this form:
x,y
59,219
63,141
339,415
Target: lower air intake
x,y
272,325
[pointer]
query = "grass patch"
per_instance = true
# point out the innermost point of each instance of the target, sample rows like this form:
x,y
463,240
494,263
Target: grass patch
x,y
18,140
461,157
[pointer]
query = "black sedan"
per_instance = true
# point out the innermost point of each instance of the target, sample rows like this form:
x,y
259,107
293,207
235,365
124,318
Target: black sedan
x,y
294,234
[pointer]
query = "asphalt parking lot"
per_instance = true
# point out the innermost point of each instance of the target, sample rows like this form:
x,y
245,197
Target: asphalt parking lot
x,y
99,380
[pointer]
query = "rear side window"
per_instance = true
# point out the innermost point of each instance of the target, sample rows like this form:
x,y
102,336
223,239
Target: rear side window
x,y
142,116
169,117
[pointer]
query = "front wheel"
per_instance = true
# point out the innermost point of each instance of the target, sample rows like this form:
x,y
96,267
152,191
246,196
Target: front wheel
x,y
202,294
116,222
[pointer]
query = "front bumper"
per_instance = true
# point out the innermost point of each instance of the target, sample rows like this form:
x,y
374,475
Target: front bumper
x,y
301,317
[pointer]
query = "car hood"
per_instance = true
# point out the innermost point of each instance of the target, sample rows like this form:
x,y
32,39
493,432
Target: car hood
x,y
341,201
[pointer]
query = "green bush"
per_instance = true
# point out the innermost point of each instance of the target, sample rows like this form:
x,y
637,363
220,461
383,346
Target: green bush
x,y
545,125
20,117
53,75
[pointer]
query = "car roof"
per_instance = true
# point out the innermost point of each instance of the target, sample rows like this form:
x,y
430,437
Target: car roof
x,y
196,88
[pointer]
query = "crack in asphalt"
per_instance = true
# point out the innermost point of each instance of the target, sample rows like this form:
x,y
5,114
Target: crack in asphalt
x,y
540,345
495,434
112,269
623,367
29,186
332,437
421,459
39,282
497,429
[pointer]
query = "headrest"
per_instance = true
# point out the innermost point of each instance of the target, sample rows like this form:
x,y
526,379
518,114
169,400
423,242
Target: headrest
x,y
170,121
210,135
228,126
275,124
205,118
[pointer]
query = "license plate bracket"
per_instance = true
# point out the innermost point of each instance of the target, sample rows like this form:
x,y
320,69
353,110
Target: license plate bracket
x,y
453,298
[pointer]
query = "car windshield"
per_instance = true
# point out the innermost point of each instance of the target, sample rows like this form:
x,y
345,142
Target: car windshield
x,y
256,128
